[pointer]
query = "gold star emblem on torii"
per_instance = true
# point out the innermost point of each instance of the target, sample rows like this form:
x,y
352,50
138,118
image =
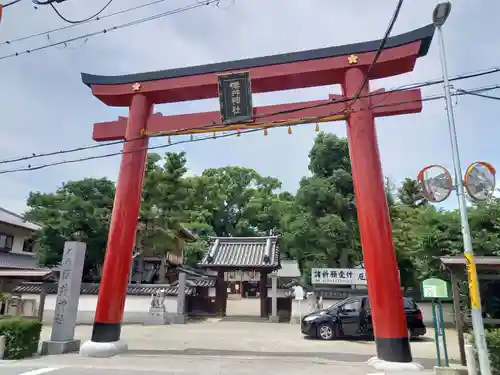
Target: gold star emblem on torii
x,y
136,86
352,59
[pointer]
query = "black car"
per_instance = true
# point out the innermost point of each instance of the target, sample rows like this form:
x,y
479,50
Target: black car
x,y
352,317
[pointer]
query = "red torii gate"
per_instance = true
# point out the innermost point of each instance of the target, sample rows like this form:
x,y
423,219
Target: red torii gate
x,y
345,65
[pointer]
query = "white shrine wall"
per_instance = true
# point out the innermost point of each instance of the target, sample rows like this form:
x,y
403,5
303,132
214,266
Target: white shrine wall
x,y
136,307
281,293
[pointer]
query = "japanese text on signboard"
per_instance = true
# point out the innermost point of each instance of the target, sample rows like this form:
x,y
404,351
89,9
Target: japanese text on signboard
x,y
63,289
235,97
339,276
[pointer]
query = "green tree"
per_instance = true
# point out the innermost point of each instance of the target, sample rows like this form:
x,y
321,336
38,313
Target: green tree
x,y
194,251
321,231
79,207
410,193
235,201
163,207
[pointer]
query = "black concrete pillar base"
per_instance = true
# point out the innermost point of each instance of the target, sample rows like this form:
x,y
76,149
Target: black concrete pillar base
x,y
106,332
393,349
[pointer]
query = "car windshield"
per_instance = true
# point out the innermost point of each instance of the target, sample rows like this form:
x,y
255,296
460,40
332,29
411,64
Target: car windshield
x,y
409,303
334,305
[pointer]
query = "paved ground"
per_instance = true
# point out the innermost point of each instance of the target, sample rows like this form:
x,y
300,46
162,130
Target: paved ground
x,y
184,365
218,337
222,347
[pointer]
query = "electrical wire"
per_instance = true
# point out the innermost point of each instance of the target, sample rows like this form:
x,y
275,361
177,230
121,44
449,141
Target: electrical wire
x,y
386,93
237,133
113,28
383,42
98,18
478,94
73,21
232,2
11,3
47,2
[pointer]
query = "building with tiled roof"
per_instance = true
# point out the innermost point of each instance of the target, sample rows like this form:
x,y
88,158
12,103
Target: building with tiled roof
x,y
17,258
242,253
242,265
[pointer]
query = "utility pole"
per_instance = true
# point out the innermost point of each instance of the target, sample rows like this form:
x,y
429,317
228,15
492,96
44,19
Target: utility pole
x,y
441,13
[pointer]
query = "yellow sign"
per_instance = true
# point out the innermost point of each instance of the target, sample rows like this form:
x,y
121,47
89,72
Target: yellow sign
x,y
475,301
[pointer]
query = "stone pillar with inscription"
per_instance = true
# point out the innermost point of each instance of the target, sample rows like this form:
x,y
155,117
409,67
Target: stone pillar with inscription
x,y
180,317
62,339
274,298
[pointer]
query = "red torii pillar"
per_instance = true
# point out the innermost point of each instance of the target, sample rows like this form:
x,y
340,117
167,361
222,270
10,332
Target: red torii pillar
x,y
346,65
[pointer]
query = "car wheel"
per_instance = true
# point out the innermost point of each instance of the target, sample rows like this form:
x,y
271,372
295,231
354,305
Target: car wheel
x,y
410,335
326,331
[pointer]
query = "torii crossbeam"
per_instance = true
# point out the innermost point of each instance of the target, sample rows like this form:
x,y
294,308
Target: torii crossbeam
x,y
383,104
345,65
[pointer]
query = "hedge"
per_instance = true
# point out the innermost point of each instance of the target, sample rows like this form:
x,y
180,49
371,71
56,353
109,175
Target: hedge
x,y
21,337
493,343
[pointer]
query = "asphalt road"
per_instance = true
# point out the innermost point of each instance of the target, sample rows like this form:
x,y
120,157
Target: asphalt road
x,y
182,365
7,370
219,348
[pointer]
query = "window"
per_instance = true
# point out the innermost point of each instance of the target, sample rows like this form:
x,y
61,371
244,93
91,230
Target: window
x,y
28,246
6,242
408,303
352,306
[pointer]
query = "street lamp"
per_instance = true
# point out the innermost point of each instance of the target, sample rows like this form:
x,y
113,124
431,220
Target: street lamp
x,y
439,16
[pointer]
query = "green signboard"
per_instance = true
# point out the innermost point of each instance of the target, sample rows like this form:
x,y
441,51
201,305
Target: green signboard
x,y
435,289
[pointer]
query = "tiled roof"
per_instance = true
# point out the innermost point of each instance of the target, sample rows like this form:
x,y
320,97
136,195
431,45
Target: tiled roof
x,y
188,235
12,218
93,289
283,282
192,272
25,274
202,282
243,252
18,261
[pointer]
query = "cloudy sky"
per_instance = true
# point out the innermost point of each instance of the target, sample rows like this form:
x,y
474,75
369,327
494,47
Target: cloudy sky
x,y
44,106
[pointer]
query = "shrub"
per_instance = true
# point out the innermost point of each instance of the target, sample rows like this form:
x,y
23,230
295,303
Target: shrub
x,y
493,342
21,337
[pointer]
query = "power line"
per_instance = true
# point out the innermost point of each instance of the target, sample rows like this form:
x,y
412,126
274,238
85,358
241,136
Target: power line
x,y
51,3
98,18
392,22
478,94
47,2
237,133
365,79
11,3
414,85
113,28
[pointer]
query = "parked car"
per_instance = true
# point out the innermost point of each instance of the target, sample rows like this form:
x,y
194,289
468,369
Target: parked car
x,y
352,317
